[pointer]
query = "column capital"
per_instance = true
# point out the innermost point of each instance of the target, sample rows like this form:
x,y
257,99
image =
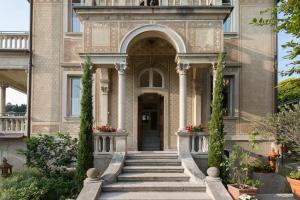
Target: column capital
x,y
182,67
105,89
121,67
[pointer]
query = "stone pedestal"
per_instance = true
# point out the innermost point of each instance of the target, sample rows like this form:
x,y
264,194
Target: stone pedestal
x,y
121,142
183,142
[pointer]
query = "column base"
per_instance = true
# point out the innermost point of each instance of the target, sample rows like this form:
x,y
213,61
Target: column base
x,y
183,141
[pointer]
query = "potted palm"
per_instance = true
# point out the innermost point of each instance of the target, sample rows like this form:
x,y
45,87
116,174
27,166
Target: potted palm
x,y
294,180
239,181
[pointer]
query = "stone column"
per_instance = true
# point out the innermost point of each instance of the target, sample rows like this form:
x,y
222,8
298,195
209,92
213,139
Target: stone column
x,y
121,96
3,87
104,85
182,71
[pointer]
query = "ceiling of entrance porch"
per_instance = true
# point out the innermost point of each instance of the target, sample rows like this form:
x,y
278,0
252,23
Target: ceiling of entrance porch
x,y
16,79
151,46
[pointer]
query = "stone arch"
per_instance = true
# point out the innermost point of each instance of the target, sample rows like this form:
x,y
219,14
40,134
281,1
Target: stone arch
x,y
156,30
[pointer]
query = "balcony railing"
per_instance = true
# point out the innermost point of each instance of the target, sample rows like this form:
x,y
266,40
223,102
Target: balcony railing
x,y
12,124
154,3
107,142
199,143
14,40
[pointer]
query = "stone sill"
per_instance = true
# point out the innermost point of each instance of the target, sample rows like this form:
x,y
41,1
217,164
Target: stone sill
x,y
72,119
231,35
73,35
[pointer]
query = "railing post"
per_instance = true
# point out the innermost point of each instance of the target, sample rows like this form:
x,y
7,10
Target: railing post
x,y
104,144
193,143
200,144
111,142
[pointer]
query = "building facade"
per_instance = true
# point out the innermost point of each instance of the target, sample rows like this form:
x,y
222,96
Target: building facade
x,y
153,66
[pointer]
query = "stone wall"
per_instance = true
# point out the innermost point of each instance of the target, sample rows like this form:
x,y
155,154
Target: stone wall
x,y
46,83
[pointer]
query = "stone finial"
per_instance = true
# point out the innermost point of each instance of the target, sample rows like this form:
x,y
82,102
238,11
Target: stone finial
x,y
213,174
93,173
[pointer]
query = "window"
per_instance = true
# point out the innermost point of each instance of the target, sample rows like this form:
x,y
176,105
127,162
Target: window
x,y
227,24
76,27
75,96
228,95
231,23
151,78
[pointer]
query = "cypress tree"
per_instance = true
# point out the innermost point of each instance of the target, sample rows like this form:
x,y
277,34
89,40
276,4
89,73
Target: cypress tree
x,y
216,125
85,144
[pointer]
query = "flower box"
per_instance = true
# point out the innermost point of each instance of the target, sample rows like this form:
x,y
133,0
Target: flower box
x,y
235,190
295,186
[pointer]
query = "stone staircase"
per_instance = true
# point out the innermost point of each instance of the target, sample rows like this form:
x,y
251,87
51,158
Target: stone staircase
x,y
153,175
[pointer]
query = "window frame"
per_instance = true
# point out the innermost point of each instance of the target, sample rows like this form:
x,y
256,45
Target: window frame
x,y
70,99
151,70
66,95
234,18
233,71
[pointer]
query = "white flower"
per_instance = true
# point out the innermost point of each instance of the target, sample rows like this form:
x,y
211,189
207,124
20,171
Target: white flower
x,y
246,197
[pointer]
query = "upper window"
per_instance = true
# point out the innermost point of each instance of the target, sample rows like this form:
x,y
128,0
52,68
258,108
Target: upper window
x,y
228,94
151,78
231,23
75,96
76,27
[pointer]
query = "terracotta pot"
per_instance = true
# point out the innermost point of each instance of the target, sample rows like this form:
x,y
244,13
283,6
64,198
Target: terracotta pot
x,y
295,186
235,191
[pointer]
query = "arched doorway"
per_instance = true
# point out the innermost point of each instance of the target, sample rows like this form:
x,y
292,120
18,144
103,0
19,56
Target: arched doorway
x,y
150,122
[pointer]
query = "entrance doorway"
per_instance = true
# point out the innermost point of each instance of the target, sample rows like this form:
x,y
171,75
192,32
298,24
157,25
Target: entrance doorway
x,y
150,122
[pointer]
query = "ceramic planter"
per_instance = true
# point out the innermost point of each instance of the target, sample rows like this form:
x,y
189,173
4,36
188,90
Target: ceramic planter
x,y
295,186
235,191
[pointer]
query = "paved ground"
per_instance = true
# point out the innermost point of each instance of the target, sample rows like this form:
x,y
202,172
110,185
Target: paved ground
x,y
275,197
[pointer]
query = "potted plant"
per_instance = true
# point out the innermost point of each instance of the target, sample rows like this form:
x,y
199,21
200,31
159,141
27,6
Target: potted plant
x,y
238,174
195,129
294,180
105,128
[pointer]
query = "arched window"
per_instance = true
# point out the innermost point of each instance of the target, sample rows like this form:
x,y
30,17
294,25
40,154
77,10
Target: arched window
x,y
151,78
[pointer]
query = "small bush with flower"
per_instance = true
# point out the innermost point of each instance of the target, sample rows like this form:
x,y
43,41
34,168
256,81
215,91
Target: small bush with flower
x,y
247,197
194,129
106,128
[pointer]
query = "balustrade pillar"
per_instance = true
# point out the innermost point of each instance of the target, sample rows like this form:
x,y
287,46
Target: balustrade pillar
x,y
182,71
3,87
121,96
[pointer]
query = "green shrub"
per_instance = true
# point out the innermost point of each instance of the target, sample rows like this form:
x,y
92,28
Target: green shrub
x,y
30,184
23,185
50,153
295,175
263,167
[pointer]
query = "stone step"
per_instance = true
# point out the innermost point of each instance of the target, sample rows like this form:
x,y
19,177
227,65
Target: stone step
x,y
152,162
153,186
163,177
154,196
152,156
156,169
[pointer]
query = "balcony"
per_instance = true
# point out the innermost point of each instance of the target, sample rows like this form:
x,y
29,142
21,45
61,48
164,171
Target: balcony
x,y
14,41
12,125
145,3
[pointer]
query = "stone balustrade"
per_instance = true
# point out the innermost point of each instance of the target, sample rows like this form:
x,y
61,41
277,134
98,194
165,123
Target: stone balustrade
x,y
106,142
195,142
14,40
12,124
159,2
199,142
